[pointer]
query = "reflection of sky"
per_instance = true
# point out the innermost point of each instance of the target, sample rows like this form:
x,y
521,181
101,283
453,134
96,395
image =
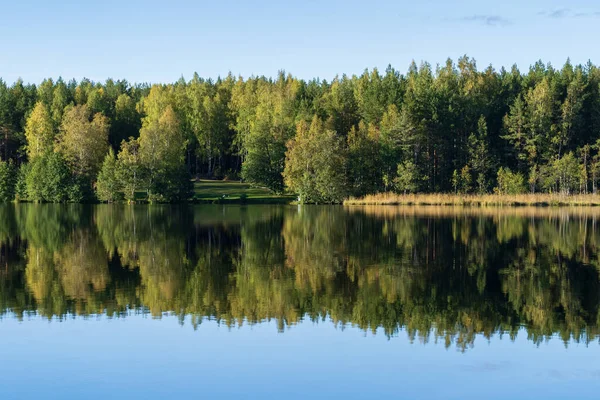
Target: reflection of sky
x,y
140,357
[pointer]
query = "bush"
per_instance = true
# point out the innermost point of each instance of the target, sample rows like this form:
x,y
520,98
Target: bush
x,y
406,180
172,186
509,182
48,179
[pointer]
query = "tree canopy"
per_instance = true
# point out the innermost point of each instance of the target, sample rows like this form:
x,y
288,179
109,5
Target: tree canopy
x,y
442,128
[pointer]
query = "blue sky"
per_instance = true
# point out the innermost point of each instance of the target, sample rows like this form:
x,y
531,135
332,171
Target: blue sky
x,y
159,41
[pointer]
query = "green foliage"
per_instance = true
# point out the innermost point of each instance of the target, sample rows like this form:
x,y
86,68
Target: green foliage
x,y
108,187
49,180
479,155
83,140
314,167
461,181
21,182
407,178
162,150
39,132
441,119
271,125
509,182
7,181
562,175
364,161
130,171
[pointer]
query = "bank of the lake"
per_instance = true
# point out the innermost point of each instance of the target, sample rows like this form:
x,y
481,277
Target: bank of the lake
x,y
440,199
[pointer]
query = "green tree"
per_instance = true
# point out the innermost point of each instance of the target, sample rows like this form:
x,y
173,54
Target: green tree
x,y
364,163
509,182
479,155
127,121
49,180
406,180
162,150
7,181
314,167
108,187
39,132
131,172
83,140
562,175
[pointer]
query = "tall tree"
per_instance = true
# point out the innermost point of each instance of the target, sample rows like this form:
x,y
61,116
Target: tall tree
x,y
314,167
39,132
479,155
83,140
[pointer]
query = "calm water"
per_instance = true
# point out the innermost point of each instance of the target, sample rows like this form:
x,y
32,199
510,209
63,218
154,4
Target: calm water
x,y
298,302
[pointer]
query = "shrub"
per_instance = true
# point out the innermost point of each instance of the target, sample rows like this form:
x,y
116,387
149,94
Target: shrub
x,y
509,182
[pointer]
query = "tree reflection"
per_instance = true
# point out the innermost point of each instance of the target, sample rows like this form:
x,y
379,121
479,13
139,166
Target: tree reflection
x,y
436,273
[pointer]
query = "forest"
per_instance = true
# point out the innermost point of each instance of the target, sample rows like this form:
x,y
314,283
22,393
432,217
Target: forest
x,y
445,129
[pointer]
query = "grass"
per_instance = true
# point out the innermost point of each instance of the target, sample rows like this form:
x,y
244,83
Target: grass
x,y
233,192
444,199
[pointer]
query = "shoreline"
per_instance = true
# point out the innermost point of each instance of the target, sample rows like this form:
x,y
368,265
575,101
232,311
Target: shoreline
x,y
485,200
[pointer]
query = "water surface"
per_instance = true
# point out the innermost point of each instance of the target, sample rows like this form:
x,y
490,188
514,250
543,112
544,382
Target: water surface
x,y
321,302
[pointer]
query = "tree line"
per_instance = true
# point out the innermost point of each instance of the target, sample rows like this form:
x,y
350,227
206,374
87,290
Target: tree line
x,y
452,128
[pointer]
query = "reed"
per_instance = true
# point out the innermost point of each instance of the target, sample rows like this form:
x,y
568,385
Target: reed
x,y
439,199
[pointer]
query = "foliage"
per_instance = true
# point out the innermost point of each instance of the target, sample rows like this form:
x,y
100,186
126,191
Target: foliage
x,y
562,175
83,140
441,119
49,180
314,167
130,172
406,180
509,182
108,187
162,149
364,159
39,132
7,181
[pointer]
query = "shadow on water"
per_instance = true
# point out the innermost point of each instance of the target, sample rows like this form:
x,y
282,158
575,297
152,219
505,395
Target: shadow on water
x,y
438,273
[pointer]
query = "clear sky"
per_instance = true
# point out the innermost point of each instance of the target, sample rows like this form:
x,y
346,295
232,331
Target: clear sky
x,y
159,41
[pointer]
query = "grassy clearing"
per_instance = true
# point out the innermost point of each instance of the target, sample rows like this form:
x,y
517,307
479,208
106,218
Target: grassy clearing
x,y
443,199
232,192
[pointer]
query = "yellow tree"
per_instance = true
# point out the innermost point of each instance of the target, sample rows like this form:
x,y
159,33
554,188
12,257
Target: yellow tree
x,y
39,132
83,140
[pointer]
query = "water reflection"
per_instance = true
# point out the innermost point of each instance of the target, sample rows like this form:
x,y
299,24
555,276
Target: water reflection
x,y
444,274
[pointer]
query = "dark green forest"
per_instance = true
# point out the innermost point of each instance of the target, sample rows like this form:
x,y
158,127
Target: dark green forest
x,y
450,128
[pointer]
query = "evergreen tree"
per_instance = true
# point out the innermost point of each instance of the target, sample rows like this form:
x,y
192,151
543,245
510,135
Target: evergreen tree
x,y
108,187
7,181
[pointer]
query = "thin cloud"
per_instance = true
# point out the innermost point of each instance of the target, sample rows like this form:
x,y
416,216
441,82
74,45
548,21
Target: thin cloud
x,y
562,13
489,20
587,14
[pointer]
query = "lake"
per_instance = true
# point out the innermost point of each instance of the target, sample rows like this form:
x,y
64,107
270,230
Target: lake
x,y
299,302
